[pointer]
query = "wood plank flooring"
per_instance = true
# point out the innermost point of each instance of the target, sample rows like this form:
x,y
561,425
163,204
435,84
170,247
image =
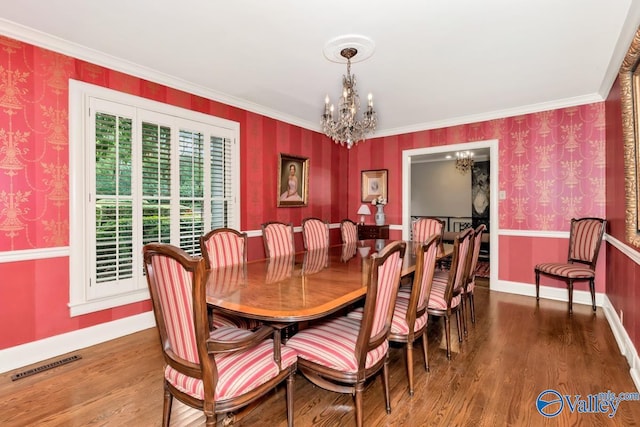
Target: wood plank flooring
x,y
515,351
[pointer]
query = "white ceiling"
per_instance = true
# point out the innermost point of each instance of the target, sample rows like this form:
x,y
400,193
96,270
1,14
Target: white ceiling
x,y
436,63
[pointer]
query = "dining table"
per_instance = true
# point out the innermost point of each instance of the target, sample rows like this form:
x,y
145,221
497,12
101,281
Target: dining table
x,y
303,286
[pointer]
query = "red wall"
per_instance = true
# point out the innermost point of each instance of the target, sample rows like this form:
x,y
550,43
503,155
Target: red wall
x,y
34,183
623,274
551,166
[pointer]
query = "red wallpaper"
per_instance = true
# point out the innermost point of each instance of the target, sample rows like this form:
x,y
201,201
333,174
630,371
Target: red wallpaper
x,y
551,166
34,184
623,274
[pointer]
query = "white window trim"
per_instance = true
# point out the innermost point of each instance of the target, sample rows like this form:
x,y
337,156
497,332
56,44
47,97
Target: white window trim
x,y
79,98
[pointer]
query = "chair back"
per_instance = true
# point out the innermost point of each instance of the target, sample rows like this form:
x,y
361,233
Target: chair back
x,y
278,239
382,289
584,241
348,231
223,247
423,228
460,263
477,240
315,233
423,279
177,287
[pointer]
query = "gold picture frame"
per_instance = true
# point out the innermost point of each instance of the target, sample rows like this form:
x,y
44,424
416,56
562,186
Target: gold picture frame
x,y
374,184
629,77
293,181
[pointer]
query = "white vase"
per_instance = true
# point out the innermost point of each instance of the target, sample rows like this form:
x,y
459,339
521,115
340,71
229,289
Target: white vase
x,y
379,216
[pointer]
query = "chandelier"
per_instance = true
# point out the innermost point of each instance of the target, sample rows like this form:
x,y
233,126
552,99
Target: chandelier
x,y
346,129
464,161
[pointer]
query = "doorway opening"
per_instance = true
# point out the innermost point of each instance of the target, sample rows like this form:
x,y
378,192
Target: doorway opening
x,y
417,155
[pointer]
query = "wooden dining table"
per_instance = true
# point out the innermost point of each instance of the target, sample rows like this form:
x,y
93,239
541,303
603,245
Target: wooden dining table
x,y
304,286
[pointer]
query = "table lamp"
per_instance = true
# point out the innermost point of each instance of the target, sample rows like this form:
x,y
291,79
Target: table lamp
x,y
364,210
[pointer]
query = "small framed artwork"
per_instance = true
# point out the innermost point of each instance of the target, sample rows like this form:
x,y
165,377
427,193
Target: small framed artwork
x,y
374,185
293,180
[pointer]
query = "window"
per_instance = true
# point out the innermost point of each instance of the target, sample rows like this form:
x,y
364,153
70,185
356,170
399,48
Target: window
x,y
141,171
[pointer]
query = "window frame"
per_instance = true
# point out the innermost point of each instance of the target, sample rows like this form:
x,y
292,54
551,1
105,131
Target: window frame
x,y
81,178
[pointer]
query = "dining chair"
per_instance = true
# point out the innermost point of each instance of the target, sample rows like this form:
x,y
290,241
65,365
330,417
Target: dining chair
x,y
447,288
222,248
585,237
471,280
315,233
348,231
424,228
409,322
278,239
339,354
213,370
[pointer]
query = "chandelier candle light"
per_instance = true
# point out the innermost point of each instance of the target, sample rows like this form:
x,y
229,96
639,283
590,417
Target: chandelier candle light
x,y
346,129
464,161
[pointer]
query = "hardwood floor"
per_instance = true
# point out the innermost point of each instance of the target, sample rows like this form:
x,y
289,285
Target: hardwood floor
x,y
515,351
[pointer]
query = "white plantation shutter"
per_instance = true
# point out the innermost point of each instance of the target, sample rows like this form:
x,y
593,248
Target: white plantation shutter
x,y
150,173
223,192
192,190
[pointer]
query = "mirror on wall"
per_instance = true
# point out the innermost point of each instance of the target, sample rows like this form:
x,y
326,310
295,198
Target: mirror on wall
x,y
630,99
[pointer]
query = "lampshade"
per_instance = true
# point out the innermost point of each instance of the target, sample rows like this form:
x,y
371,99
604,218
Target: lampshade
x,y
364,210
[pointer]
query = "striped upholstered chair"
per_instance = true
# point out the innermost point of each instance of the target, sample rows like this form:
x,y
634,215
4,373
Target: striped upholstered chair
x,y
204,366
471,279
278,239
424,228
339,354
584,244
445,298
223,249
410,315
315,233
348,231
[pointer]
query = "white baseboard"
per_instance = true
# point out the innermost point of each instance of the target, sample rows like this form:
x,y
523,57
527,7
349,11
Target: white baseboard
x,y
547,292
627,349
36,351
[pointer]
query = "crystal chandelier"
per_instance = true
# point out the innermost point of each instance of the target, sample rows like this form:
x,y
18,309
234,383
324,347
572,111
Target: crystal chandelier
x,y
346,129
464,161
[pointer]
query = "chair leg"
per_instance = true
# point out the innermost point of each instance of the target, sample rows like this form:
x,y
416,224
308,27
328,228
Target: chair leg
x,y
358,398
385,384
592,288
290,381
537,285
425,346
472,308
447,334
459,323
570,284
409,350
166,411
463,310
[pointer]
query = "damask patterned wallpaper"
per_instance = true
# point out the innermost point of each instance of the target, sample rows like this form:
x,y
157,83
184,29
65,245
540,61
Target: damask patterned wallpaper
x,y
34,198
551,164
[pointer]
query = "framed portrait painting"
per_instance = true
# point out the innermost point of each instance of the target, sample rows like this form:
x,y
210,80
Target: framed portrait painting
x,y
293,180
374,185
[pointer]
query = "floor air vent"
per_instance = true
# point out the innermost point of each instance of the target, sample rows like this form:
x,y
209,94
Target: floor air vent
x,y
43,368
